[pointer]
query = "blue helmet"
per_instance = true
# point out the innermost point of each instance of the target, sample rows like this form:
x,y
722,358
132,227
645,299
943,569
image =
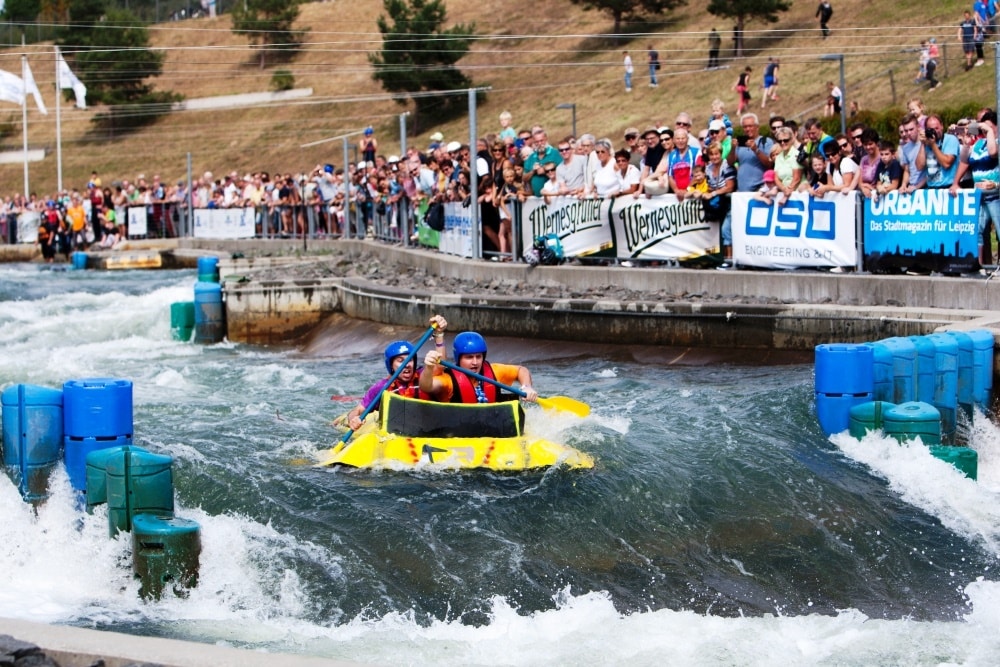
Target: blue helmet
x,y
469,342
395,349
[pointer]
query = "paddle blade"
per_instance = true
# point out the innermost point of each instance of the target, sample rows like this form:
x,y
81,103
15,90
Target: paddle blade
x,y
565,404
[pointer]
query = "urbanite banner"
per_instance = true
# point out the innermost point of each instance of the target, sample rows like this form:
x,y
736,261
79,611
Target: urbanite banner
x,y
803,232
929,229
658,228
224,223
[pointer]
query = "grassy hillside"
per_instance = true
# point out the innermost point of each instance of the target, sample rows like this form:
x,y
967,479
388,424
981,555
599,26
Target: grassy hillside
x,y
534,55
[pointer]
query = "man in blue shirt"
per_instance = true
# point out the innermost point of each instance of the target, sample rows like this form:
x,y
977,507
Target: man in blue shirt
x,y
941,153
534,165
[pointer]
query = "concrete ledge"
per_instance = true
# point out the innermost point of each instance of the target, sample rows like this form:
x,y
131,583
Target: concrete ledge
x,y
79,647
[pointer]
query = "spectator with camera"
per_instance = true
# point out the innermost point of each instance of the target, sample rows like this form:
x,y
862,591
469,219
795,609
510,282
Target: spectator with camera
x,y
941,151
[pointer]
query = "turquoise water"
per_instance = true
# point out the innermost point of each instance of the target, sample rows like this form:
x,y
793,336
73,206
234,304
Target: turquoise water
x,y
719,527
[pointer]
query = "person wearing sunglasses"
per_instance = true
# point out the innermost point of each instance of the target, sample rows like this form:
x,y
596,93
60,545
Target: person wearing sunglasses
x,y
787,170
571,172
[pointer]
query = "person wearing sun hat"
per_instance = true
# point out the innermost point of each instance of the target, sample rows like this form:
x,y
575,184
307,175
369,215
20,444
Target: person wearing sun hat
x,y
655,150
437,140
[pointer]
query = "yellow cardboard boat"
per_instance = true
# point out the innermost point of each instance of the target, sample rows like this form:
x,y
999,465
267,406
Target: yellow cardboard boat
x,y
412,432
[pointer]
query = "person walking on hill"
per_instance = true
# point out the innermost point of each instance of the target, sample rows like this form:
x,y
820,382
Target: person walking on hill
x,y
742,88
770,81
968,32
629,69
654,65
823,13
714,44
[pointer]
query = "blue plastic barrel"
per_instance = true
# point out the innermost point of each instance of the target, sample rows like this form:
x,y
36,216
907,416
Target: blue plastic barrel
x,y
866,417
965,378
904,368
909,420
79,260
946,382
844,378
982,367
208,269
97,407
924,369
209,314
138,482
882,363
97,414
32,436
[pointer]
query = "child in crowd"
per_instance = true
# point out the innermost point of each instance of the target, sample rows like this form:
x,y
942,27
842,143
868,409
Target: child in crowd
x,y
769,191
699,181
888,173
817,173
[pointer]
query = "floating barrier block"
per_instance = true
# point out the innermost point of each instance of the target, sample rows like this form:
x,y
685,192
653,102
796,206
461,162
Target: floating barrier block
x,y
982,367
924,369
882,372
904,368
965,378
910,420
97,407
208,269
79,260
165,551
963,458
77,449
182,320
844,378
209,314
138,482
32,436
945,382
867,417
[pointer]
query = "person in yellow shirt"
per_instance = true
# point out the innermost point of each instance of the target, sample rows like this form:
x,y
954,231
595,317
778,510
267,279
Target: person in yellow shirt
x,y
77,217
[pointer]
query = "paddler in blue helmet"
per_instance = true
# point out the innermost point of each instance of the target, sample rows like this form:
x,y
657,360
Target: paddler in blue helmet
x,y
406,383
450,386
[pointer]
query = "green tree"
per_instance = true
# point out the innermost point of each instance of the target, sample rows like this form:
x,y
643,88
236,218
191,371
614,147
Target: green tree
x,y
748,10
629,10
112,56
419,56
267,24
21,11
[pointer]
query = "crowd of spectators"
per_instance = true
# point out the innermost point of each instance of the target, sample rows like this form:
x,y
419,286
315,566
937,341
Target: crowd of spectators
x,y
706,161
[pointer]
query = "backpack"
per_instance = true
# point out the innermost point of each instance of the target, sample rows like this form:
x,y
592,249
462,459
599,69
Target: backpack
x,y
434,218
549,249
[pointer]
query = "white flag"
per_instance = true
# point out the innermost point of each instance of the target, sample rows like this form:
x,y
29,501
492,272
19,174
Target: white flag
x,y
31,87
68,80
11,88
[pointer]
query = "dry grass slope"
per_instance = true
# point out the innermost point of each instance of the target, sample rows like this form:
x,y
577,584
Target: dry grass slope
x,y
534,55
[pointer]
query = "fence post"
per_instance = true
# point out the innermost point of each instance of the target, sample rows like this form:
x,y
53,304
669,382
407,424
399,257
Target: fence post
x,y
892,86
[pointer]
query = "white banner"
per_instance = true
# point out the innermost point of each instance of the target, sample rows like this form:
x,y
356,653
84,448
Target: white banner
x,y
11,87
27,226
31,88
805,231
456,239
137,224
224,223
662,228
581,224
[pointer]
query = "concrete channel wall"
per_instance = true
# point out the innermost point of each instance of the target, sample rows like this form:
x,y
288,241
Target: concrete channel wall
x,y
804,309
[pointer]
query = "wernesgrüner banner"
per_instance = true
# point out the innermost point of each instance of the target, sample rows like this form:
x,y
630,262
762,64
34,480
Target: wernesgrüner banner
x,y
929,229
657,228
805,231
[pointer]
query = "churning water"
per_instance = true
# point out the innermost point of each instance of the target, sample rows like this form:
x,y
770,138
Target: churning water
x,y
719,527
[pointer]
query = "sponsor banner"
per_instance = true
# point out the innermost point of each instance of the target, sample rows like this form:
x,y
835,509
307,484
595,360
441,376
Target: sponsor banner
x,y
803,232
662,228
137,223
930,229
581,224
456,239
224,223
27,226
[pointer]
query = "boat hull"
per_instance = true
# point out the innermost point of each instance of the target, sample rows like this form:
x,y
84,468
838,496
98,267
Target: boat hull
x,y
412,433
